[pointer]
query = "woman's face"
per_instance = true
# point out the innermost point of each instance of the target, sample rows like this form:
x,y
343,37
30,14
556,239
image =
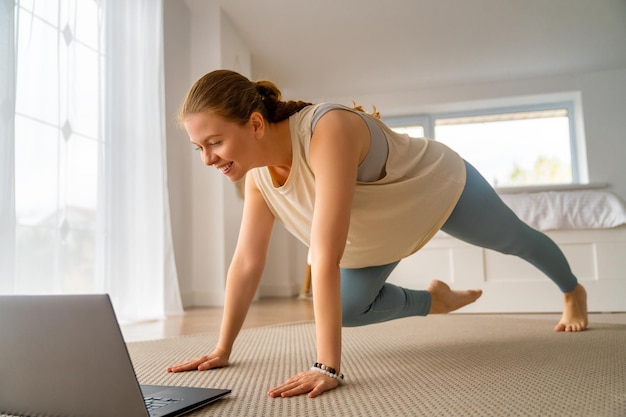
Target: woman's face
x,y
224,144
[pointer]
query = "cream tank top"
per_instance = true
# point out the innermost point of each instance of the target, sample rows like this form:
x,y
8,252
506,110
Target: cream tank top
x,y
391,217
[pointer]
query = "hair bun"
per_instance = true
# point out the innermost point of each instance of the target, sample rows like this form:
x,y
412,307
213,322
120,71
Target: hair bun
x,y
268,89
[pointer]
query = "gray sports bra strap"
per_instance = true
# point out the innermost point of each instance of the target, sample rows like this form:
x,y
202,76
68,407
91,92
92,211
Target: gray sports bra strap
x,y
372,168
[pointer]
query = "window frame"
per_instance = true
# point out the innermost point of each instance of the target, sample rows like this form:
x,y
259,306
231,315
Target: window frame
x,y
428,121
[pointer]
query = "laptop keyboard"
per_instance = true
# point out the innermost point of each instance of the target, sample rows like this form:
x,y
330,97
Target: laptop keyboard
x,y
154,403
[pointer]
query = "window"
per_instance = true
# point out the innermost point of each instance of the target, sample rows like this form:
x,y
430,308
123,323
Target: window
x,y
87,203
56,144
522,146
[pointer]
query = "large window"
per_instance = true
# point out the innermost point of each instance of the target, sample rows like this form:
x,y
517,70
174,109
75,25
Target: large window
x,y
83,181
521,146
56,144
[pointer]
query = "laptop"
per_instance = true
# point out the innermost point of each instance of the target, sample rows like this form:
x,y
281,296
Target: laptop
x,y
64,355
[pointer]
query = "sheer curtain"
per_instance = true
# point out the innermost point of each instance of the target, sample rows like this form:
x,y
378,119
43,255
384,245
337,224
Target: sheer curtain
x,y
139,259
7,146
84,188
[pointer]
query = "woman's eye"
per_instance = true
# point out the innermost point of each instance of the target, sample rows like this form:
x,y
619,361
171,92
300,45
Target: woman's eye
x,y
214,143
198,148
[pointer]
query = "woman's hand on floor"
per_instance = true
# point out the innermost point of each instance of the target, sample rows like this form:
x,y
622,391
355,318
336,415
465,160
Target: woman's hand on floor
x,y
216,359
308,382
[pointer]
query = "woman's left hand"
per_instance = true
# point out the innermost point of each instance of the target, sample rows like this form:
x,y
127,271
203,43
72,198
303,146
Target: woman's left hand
x,y
311,382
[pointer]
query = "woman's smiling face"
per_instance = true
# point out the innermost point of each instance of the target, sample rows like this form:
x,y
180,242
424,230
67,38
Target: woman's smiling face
x,y
226,145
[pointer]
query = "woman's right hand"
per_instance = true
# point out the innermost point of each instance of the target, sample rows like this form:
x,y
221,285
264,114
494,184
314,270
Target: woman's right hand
x,y
216,359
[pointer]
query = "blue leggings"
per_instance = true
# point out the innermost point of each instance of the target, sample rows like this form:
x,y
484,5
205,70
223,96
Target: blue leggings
x,y
479,218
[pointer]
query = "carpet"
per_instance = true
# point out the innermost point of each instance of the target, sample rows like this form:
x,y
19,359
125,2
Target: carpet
x,y
452,365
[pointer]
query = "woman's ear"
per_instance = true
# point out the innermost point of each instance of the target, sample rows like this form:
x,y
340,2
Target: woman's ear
x,y
258,124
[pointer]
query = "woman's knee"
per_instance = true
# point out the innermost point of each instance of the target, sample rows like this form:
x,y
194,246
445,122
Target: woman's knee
x,y
352,321
351,313
360,288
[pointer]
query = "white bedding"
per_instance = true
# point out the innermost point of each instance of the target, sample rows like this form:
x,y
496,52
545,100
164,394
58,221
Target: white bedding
x,y
577,209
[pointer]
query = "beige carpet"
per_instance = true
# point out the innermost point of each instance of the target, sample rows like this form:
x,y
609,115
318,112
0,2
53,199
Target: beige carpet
x,y
454,365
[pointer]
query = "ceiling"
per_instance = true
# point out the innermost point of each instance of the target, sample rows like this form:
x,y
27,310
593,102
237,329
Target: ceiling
x,y
318,48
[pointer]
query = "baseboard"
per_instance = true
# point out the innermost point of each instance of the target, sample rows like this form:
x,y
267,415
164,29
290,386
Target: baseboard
x,y
202,299
279,290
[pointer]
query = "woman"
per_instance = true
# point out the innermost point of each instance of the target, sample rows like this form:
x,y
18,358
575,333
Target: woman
x,y
361,197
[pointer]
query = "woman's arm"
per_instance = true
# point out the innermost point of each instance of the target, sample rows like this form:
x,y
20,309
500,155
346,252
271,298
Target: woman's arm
x,y
335,152
242,280
340,141
247,264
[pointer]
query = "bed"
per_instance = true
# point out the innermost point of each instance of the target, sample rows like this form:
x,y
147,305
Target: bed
x,y
588,225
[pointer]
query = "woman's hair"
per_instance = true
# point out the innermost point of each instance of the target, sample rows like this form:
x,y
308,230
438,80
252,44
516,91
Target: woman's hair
x,y
234,97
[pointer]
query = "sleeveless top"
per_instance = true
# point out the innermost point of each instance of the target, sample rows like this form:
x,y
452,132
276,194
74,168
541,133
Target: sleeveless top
x,y
391,217
373,166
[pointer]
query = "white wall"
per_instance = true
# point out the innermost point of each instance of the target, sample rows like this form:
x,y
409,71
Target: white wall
x,y
177,78
286,257
206,208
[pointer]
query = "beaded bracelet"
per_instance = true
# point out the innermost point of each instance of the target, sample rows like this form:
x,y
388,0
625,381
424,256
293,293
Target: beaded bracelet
x,y
327,370
337,377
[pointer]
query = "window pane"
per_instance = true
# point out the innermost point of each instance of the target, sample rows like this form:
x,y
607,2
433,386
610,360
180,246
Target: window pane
x,y
82,182
526,148
47,10
83,18
78,259
36,172
83,91
36,263
37,75
57,144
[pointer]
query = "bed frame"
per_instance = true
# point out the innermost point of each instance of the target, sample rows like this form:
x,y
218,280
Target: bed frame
x,y
589,226
597,257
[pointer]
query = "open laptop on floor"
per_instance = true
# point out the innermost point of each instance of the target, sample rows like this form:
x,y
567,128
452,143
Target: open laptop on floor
x,y
64,355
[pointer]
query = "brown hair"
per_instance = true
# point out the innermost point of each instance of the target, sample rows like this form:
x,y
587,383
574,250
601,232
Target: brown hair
x,y
234,97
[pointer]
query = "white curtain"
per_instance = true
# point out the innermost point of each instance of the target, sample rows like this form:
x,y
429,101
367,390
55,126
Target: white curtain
x,y
83,166
139,262
7,148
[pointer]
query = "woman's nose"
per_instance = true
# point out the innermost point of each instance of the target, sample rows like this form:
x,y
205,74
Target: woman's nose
x,y
208,158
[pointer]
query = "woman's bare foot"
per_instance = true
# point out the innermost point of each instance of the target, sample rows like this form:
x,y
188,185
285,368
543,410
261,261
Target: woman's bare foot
x,y
574,317
445,300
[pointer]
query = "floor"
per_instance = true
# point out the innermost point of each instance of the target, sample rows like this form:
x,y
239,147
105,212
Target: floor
x,y
263,312
268,311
